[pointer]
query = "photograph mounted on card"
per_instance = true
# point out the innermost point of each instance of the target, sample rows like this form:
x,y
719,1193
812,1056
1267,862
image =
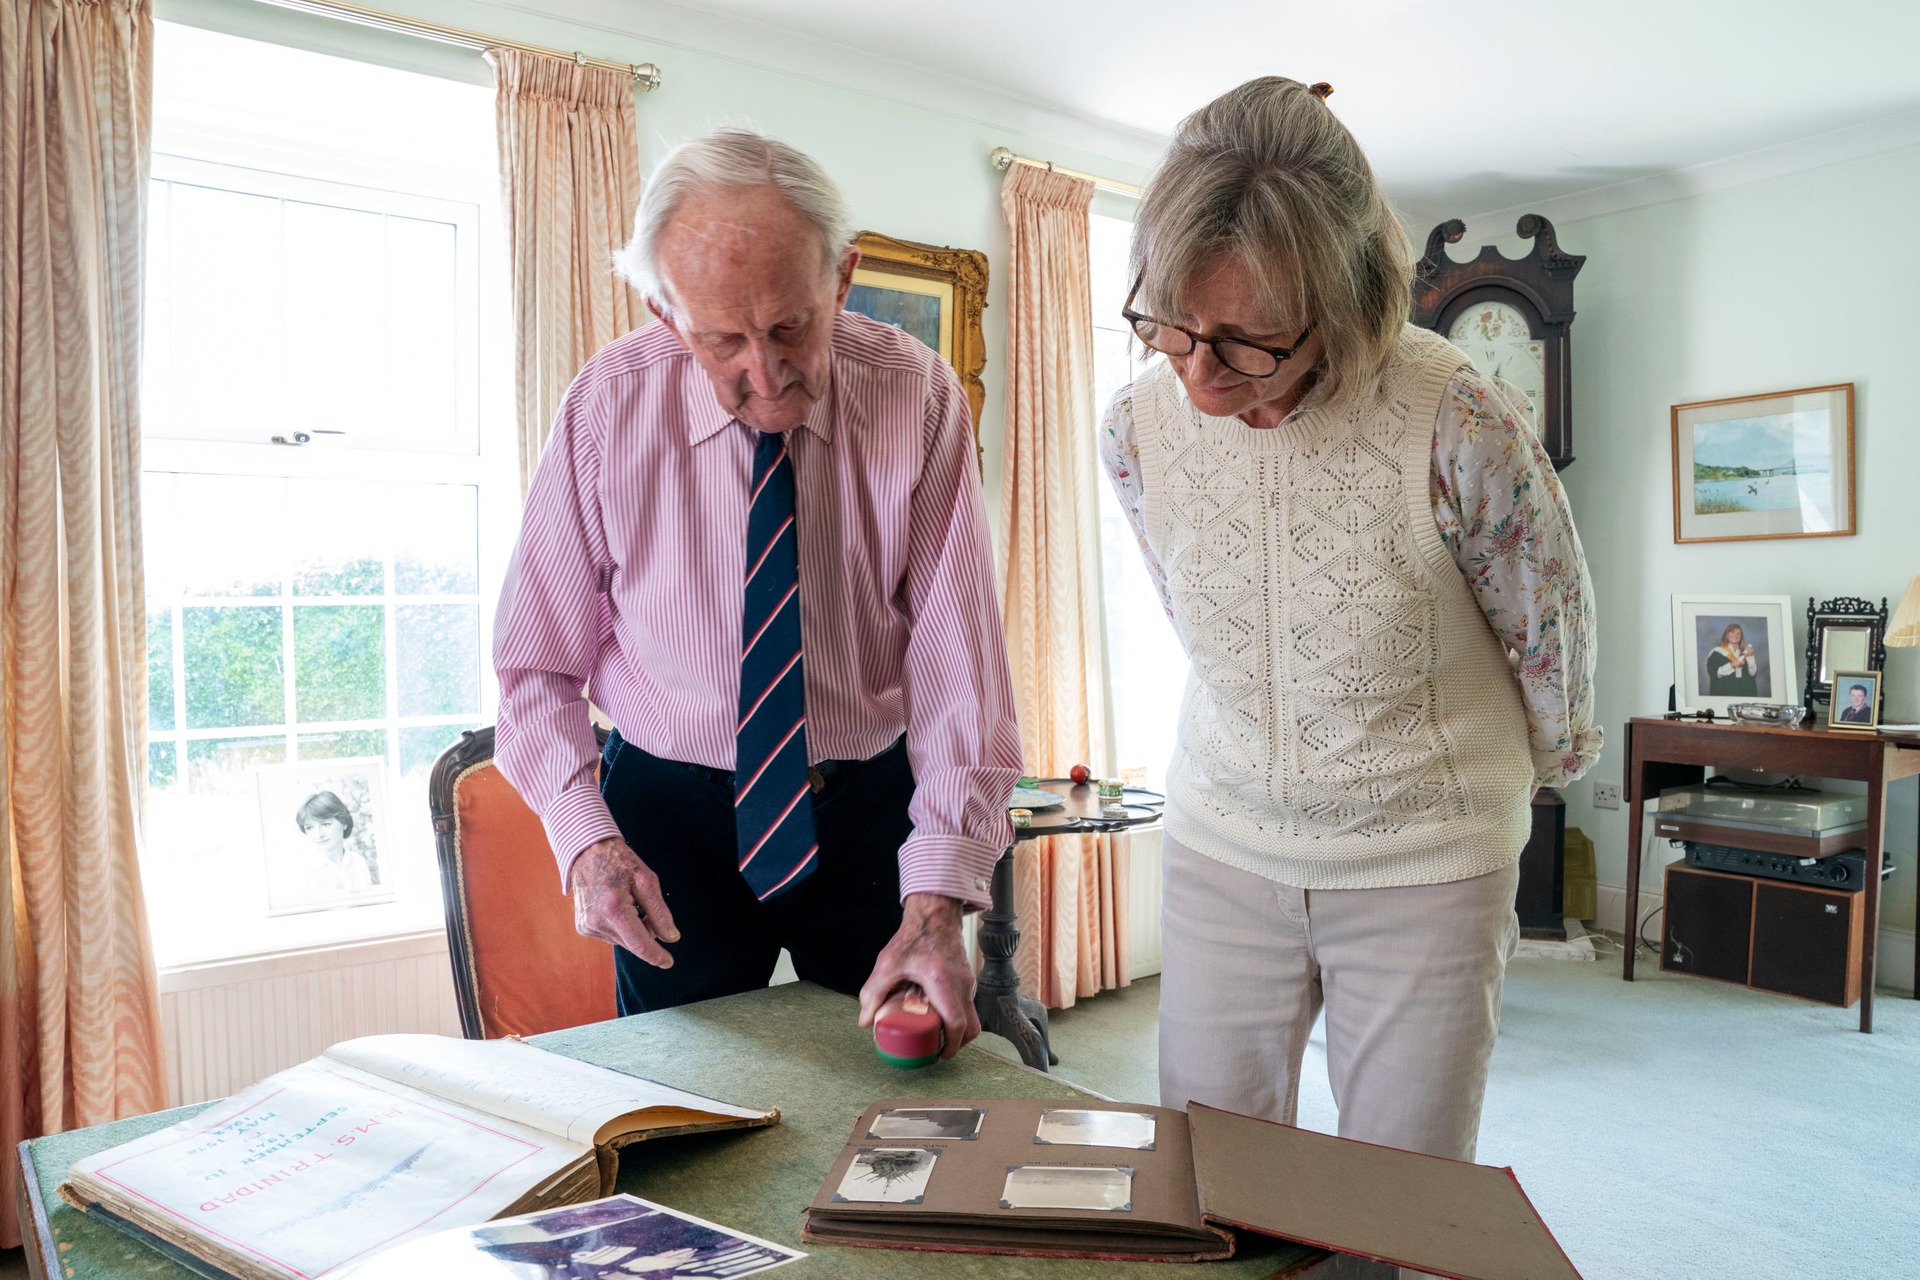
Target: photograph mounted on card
x,y
1767,466
323,827
1729,649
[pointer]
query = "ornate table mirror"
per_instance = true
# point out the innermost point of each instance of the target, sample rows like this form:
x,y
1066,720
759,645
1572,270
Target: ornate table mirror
x,y
1843,634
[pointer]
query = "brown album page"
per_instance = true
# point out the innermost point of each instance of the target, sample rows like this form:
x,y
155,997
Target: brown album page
x,y
1445,1217
1059,1177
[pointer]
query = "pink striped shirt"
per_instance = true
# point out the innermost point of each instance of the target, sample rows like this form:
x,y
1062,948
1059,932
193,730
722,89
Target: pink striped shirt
x,y
627,580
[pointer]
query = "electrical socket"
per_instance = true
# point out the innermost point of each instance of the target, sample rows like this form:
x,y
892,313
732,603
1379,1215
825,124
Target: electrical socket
x,y
1606,795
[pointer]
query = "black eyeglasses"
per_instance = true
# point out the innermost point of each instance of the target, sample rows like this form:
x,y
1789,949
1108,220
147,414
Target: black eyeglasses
x,y
1239,355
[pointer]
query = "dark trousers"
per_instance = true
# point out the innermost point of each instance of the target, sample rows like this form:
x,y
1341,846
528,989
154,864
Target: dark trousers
x,y
679,819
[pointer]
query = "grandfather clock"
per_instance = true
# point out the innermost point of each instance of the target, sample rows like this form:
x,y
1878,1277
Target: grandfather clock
x,y
1510,316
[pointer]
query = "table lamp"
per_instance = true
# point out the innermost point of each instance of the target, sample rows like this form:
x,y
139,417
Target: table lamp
x,y
1903,632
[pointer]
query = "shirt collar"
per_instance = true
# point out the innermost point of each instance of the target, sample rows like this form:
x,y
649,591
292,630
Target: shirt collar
x,y
705,416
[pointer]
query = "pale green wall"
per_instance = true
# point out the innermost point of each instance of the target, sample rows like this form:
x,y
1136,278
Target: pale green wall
x,y
1802,280
907,171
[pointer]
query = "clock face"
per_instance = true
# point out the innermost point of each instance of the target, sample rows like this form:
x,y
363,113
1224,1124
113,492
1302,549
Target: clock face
x,y
1496,338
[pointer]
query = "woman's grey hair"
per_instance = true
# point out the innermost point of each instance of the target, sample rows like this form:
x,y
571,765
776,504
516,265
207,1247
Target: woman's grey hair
x,y
1268,175
729,158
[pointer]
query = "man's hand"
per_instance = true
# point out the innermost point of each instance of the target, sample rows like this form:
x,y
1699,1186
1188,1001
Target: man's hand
x,y
928,953
617,899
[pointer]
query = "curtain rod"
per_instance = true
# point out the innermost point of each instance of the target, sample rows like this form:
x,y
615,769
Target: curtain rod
x,y
1003,158
645,74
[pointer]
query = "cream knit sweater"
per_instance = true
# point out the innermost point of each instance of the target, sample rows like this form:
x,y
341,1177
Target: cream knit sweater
x,y
1350,719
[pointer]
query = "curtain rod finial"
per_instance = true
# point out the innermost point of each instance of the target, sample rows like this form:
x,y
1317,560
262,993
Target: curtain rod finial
x,y
647,75
1001,158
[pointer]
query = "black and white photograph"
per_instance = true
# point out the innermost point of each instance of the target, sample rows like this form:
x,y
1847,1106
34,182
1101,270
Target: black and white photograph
x,y
1856,700
1063,1127
620,1238
927,1122
323,826
887,1175
1051,1186
1729,649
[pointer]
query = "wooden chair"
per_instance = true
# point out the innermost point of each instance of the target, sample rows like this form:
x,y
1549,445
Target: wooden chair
x,y
518,966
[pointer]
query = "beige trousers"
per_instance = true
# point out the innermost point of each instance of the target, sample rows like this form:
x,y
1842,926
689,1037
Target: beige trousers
x,y
1409,977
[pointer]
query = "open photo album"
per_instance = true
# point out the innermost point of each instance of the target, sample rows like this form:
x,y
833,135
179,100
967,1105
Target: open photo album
x,y
1152,1184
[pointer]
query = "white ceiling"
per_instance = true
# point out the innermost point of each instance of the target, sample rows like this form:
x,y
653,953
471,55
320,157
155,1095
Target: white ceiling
x,y
1465,106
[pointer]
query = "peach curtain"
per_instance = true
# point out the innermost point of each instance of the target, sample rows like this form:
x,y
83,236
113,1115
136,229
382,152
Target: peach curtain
x,y
570,173
1071,892
79,1009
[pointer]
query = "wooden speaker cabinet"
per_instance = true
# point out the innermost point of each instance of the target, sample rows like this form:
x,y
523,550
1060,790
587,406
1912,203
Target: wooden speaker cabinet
x,y
1795,939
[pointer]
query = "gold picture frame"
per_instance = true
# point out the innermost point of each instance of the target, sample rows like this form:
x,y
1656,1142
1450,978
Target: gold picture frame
x,y
1778,465
935,293
1841,711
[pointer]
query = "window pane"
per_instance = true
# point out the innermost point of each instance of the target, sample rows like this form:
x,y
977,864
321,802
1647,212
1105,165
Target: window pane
x,y
336,263
340,662
229,535
224,766
437,654
421,396
346,744
437,541
419,748
339,537
162,764
234,674
225,332
160,671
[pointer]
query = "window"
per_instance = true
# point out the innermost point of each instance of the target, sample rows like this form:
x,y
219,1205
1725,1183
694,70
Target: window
x,y
326,489
1141,646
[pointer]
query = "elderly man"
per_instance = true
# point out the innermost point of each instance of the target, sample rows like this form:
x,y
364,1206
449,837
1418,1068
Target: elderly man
x,y
757,536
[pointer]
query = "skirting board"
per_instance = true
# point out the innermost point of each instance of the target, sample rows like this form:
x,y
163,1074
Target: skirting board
x,y
1893,957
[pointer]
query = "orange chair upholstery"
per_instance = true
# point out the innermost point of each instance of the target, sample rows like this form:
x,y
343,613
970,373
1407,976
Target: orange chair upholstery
x,y
518,966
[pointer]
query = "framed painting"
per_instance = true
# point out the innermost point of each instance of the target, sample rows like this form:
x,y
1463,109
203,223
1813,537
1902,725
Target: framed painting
x,y
1729,649
1771,466
936,294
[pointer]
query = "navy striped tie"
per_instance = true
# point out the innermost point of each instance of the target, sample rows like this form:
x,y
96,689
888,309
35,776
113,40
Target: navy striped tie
x,y
772,803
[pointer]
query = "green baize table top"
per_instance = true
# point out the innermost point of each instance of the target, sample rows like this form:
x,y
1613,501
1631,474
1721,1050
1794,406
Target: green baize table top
x,y
793,1046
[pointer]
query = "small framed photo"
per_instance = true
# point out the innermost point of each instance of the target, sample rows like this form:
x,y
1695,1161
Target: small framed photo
x,y
1768,466
1729,649
324,828
1856,700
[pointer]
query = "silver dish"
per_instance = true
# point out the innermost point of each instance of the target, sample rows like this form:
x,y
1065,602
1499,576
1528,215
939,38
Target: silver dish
x,y
1782,714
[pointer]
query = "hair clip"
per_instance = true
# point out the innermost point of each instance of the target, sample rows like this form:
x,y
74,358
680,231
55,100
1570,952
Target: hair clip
x,y
1321,90
1706,715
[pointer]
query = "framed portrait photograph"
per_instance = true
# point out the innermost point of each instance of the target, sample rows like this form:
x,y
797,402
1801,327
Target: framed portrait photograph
x,y
1729,649
1770,466
1856,700
323,826
936,294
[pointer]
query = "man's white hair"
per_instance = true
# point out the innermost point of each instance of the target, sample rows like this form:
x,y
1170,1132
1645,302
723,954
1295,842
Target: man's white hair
x,y
727,159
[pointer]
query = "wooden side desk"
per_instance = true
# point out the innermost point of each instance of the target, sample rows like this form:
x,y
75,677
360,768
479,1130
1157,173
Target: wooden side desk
x,y
1677,753
793,1046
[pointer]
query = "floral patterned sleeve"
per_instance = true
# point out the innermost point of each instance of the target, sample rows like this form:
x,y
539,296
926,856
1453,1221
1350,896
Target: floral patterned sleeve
x,y
1120,455
1504,517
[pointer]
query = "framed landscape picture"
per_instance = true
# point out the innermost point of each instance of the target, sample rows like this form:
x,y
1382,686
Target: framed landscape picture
x,y
936,294
1771,466
1729,649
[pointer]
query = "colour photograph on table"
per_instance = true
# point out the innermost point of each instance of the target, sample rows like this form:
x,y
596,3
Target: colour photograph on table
x,y
1856,700
1729,649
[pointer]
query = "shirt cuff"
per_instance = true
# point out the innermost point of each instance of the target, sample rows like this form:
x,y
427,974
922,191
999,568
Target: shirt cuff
x,y
1559,767
577,818
951,866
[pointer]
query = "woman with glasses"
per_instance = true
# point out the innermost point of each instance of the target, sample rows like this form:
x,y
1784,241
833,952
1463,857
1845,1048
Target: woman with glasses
x,y
1388,621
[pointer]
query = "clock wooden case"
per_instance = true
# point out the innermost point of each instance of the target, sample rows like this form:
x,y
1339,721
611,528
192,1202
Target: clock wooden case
x,y
1510,316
